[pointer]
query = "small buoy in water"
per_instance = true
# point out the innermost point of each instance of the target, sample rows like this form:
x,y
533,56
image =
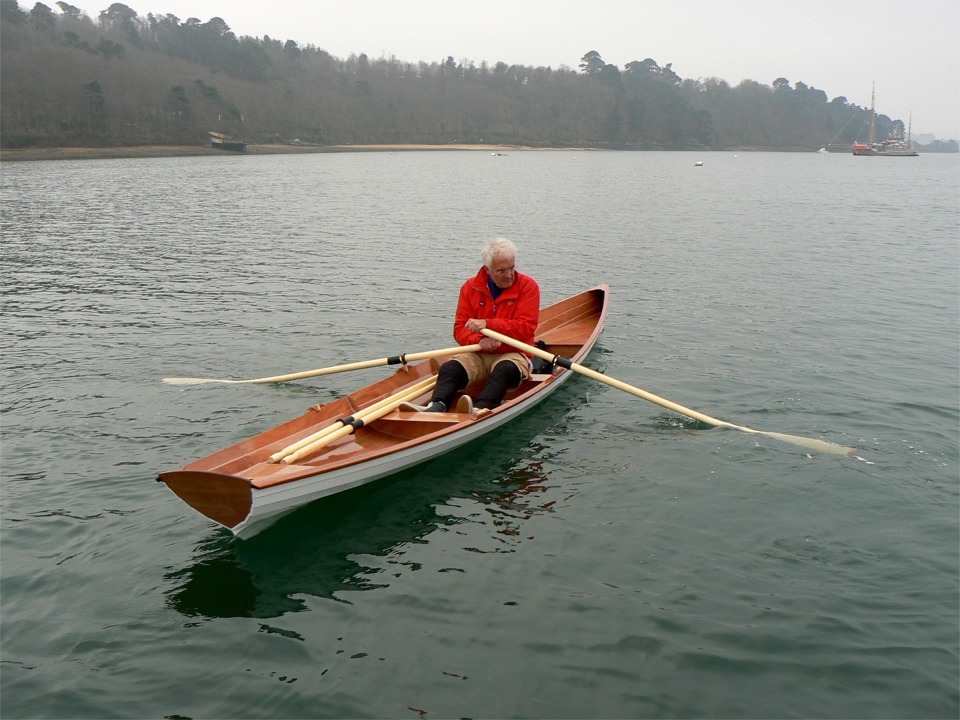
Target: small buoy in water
x,y
698,163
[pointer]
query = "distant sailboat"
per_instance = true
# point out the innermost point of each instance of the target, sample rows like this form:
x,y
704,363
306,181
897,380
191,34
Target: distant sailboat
x,y
894,146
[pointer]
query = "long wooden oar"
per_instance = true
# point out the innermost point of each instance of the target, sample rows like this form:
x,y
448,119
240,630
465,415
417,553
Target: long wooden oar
x,y
392,360
811,443
310,439
356,422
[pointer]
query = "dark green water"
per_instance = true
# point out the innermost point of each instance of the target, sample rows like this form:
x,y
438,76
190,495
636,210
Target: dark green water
x,y
599,558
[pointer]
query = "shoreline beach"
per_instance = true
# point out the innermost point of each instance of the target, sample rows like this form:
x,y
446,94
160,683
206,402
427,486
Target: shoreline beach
x,y
150,151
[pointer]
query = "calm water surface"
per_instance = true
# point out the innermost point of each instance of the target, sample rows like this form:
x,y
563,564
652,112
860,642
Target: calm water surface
x,y
599,558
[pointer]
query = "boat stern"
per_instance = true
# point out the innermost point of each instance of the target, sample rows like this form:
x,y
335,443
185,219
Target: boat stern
x,y
225,499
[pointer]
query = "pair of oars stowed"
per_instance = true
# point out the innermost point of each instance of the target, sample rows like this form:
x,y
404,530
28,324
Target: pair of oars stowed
x,y
349,425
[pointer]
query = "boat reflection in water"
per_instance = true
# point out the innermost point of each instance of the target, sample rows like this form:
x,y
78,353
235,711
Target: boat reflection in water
x,y
340,545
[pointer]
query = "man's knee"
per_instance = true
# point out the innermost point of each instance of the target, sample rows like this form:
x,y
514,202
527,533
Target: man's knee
x,y
508,372
453,370
504,376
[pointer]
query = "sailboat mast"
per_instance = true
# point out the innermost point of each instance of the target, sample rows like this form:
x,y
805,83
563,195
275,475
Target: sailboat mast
x,y
872,98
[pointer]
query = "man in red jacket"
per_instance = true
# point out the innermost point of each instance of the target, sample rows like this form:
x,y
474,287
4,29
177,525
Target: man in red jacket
x,y
505,301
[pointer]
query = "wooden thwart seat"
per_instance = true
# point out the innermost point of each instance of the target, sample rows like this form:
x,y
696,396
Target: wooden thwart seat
x,y
449,418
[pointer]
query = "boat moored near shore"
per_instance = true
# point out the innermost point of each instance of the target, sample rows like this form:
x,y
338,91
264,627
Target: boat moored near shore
x,y
220,141
894,146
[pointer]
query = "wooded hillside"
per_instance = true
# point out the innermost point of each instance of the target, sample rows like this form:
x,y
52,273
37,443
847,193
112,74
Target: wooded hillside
x,y
125,79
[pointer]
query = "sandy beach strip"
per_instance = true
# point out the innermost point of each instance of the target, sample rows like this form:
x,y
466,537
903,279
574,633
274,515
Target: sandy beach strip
x,y
151,151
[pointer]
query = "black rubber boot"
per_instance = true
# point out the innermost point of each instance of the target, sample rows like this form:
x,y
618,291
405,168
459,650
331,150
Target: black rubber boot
x,y
505,375
452,377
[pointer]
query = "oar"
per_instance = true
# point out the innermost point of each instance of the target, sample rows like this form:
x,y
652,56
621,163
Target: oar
x,y
290,449
392,360
811,443
351,425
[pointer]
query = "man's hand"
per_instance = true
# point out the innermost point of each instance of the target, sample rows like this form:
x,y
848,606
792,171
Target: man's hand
x,y
474,325
489,343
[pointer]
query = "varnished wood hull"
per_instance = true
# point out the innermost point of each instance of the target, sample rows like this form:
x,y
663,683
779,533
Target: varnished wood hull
x,y
243,490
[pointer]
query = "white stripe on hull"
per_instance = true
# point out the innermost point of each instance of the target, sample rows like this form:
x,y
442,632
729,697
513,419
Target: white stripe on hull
x,y
270,504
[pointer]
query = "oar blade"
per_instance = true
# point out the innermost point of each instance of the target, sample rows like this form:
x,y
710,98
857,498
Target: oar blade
x,y
821,446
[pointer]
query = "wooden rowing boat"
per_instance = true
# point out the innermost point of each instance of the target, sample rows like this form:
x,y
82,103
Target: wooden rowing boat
x,y
220,141
366,435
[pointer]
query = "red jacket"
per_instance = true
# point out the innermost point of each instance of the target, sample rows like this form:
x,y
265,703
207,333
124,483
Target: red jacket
x,y
515,313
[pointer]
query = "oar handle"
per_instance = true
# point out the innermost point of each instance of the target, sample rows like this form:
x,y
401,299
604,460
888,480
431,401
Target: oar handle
x,y
413,357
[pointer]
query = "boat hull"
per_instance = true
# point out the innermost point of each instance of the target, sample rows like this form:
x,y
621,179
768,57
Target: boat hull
x,y
220,141
244,490
873,151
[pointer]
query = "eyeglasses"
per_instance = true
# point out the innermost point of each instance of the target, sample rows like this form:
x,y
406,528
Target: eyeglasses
x,y
505,271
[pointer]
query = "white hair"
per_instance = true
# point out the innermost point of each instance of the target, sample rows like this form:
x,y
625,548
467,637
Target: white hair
x,y
498,247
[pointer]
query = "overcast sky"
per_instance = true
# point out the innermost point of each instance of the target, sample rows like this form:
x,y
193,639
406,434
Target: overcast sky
x,y
910,50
